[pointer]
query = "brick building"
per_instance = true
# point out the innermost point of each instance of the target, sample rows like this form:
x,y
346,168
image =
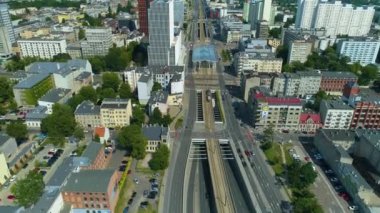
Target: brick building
x,y
366,104
95,157
310,122
143,6
92,191
334,82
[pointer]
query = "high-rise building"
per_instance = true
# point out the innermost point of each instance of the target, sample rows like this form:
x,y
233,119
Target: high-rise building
x,y
299,50
179,12
335,17
259,10
5,44
164,43
262,29
5,20
98,41
362,50
142,6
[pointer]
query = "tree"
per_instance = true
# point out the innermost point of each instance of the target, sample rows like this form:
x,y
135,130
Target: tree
x,y
131,138
156,87
28,190
125,91
321,95
88,93
301,176
79,133
60,124
269,133
304,201
98,64
117,58
18,130
81,34
275,32
6,92
282,52
160,159
110,80
138,116
368,73
61,57
156,116
108,93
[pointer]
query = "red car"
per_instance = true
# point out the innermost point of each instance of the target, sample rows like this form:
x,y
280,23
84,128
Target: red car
x,y
307,158
11,197
246,153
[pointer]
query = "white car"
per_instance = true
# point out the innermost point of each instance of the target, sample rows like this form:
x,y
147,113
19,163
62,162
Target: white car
x,y
13,178
353,207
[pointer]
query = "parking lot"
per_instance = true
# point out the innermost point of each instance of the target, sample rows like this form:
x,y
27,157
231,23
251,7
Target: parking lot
x,y
47,172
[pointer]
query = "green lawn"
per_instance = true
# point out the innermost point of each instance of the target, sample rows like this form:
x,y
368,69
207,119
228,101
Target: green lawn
x,y
123,196
274,157
149,209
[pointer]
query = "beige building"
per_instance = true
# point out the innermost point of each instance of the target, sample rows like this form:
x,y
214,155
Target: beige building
x,y
4,170
156,135
115,112
35,32
273,42
257,62
283,112
299,50
87,114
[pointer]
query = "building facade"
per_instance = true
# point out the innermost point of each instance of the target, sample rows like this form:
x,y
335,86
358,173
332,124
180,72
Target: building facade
x,y
4,170
5,43
115,112
299,50
44,48
156,136
144,88
97,43
87,114
142,6
360,50
334,82
257,62
296,84
5,20
336,114
310,122
283,113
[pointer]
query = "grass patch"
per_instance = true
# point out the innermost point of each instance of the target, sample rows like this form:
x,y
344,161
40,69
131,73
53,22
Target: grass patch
x,y
178,123
80,150
274,158
288,158
123,196
149,209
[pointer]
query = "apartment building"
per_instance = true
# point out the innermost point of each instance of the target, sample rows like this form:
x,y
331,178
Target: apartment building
x,y
44,48
159,100
115,112
97,43
284,113
336,114
53,96
336,17
310,122
257,62
366,104
92,190
299,50
144,88
296,84
87,114
334,82
362,50
156,135
4,170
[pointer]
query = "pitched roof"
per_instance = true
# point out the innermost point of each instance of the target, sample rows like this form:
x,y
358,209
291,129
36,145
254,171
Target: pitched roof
x,y
99,131
54,95
154,133
87,108
3,139
62,172
92,151
304,117
89,181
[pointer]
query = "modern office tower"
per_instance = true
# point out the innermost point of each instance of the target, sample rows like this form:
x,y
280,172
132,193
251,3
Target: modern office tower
x,y
362,50
179,12
305,13
259,10
299,50
5,20
5,44
335,17
98,41
142,6
262,29
246,6
164,46
44,48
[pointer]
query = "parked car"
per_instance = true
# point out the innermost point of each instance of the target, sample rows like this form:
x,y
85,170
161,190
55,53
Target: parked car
x,y
144,204
134,194
353,207
329,171
145,193
334,179
13,178
11,197
136,180
152,195
43,172
124,162
129,172
130,201
46,157
25,165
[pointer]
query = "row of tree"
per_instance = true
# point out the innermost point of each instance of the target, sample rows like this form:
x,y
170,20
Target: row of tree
x,y
330,60
6,96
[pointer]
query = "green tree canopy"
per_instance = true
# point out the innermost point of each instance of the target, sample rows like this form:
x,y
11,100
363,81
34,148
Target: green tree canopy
x,y
269,133
275,32
61,123
89,93
61,57
138,117
28,190
160,158
98,64
18,130
81,34
156,87
158,118
79,133
125,91
132,138
368,73
301,176
6,91
110,80
108,93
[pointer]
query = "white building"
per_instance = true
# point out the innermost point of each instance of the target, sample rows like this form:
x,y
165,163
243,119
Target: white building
x,y
164,41
299,50
97,43
257,62
144,88
44,48
5,44
5,20
335,114
335,17
57,95
297,84
159,100
360,50
34,118
171,78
